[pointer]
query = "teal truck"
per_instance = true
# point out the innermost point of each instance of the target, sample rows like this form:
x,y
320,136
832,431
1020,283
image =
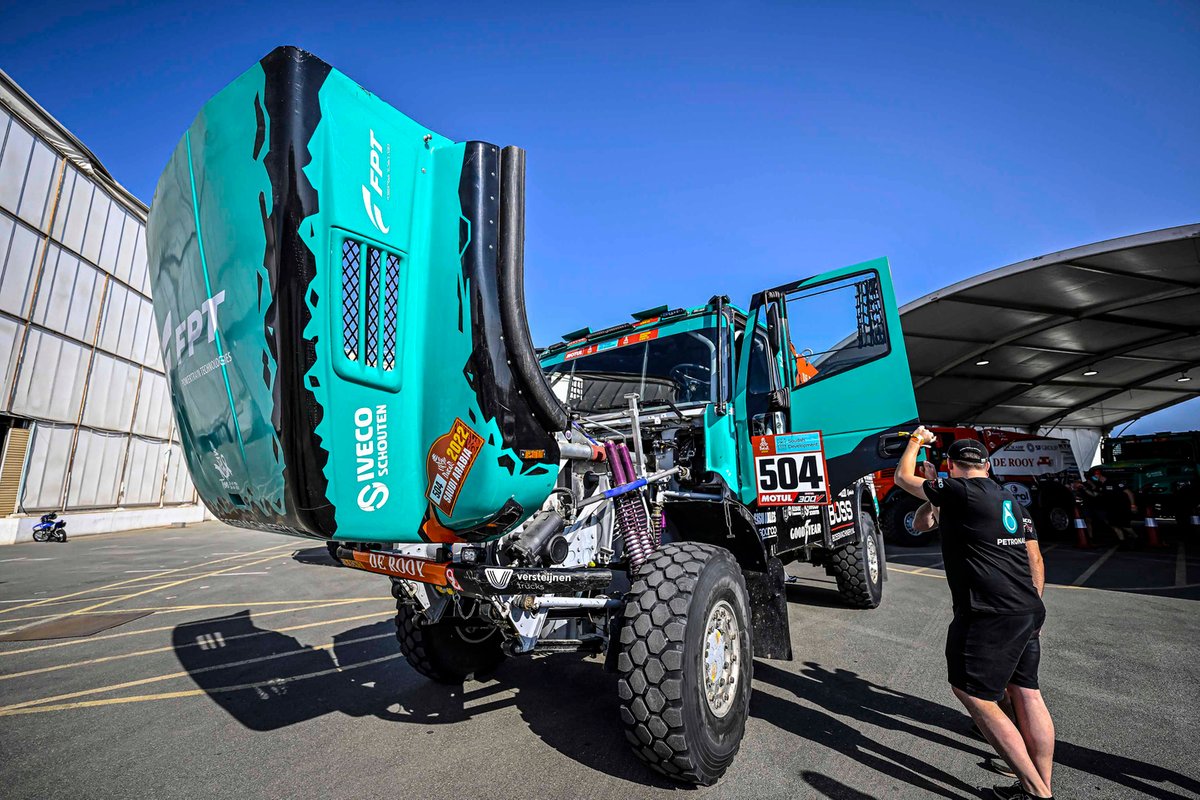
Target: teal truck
x,y
1162,469
339,293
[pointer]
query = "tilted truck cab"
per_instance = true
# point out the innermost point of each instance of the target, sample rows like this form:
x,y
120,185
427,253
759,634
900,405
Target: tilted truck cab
x,y
339,293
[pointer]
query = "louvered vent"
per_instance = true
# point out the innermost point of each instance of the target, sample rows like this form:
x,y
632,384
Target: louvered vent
x,y
370,305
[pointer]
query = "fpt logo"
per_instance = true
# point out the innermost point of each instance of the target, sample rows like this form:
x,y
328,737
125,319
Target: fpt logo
x,y
375,191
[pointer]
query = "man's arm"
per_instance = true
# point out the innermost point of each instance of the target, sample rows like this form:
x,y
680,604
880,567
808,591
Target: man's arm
x,y
1036,567
926,518
906,471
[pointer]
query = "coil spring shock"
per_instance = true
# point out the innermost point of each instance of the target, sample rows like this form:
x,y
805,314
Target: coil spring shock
x,y
632,518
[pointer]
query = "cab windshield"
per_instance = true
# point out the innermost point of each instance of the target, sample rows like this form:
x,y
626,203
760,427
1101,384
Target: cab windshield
x,y
678,368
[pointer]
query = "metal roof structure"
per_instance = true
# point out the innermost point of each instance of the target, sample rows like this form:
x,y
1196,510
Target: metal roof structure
x,y
1090,337
21,104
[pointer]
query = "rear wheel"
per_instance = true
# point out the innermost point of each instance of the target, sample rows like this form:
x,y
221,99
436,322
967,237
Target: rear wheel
x,y
1056,505
685,662
858,568
451,649
896,518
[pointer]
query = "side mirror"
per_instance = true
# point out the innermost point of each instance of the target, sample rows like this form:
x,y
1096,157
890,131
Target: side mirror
x,y
779,400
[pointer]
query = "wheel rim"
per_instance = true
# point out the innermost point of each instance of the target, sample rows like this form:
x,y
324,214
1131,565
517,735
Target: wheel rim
x,y
872,559
1059,519
910,523
722,664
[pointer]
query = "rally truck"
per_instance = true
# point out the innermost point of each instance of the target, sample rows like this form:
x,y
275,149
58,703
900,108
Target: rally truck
x,y
1163,470
1037,470
339,293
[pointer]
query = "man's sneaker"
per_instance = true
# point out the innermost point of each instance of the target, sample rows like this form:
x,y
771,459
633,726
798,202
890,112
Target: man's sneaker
x,y
1015,792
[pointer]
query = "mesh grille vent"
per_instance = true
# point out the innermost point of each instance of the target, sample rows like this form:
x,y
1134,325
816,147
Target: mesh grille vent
x,y
350,295
365,309
372,302
391,297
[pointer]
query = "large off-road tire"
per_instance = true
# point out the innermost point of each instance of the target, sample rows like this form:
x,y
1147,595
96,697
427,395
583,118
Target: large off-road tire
x,y
450,650
896,519
685,663
858,568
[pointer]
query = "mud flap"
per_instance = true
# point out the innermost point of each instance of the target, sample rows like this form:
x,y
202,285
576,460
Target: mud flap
x,y
772,637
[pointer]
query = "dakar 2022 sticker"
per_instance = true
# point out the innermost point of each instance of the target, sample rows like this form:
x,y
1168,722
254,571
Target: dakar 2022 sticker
x,y
450,460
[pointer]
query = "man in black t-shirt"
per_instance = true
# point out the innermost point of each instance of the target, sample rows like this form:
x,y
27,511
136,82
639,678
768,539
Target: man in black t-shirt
x,y
994,569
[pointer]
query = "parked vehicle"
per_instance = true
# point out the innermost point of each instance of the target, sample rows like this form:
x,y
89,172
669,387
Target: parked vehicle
x,y
1038,470
50,529
1162,469
340,295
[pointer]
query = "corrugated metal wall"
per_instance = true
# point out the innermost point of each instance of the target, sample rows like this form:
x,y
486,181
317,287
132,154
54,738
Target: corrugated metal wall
x,y
79,354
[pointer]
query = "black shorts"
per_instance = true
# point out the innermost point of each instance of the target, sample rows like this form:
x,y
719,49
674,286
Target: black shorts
x,y
986,652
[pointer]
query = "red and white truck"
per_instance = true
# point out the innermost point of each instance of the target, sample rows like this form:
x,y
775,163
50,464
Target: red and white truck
x,y
1039,470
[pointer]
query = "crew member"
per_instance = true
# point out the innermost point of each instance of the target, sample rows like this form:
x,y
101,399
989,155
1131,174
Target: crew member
x,y
994,570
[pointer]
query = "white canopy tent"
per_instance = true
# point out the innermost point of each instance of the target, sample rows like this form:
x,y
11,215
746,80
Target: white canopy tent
x,y
1070,344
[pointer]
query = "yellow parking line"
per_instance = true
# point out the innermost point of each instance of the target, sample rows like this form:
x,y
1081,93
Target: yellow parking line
x,y
173,675
173,648
197,692
162,628
141,578
173,584
1090,571
171,609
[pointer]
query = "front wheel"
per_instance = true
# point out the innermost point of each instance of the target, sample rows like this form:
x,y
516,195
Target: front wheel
x,y
685,662
450,650
858,568
41,536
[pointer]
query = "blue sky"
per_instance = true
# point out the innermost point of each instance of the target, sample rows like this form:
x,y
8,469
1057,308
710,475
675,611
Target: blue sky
x,y
679,150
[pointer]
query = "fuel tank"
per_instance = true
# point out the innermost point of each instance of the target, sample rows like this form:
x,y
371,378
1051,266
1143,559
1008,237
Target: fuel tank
x,y
339,296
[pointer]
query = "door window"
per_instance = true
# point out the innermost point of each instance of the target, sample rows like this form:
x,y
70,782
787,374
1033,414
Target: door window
x,y
758,383
836,326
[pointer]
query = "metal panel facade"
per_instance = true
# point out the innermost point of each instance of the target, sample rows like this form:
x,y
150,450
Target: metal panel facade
x,y
79,360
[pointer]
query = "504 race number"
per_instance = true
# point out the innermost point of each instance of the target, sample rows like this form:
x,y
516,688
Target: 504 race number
x,y
789,470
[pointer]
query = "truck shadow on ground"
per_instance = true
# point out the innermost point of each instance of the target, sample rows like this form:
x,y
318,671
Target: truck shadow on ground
x,y
268,680
847,694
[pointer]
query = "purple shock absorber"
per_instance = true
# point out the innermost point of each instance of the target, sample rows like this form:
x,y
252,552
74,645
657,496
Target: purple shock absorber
x,y
630,510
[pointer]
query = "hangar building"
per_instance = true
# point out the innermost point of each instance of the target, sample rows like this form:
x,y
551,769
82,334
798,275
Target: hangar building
x,y
85,418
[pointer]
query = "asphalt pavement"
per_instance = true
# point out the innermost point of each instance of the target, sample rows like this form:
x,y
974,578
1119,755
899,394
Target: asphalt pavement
x,y
231,664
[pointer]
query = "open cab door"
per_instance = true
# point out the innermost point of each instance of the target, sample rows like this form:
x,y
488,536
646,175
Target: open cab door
x,y
824,386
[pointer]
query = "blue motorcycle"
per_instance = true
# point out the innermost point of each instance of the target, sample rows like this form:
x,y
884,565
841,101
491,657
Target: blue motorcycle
x,y
50,529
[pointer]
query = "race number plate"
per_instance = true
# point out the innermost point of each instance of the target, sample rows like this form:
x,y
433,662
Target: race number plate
x,y
789,469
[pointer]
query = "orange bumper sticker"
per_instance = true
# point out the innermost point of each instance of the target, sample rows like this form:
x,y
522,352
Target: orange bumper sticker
x,y
421,570
450,460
